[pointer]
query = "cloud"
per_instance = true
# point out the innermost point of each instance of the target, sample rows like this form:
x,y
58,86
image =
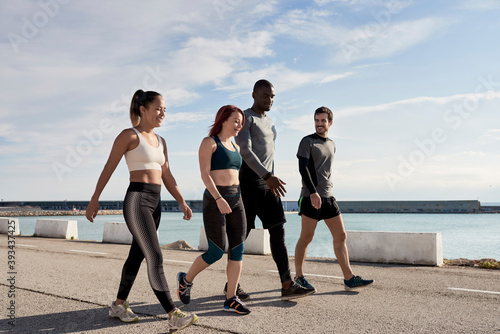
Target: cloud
x,y
490,135
381,37
421,100
281,76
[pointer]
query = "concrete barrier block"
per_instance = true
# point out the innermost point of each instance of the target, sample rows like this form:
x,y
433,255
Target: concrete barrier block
x,y
395,247
56,228
116,233
256,243
9,226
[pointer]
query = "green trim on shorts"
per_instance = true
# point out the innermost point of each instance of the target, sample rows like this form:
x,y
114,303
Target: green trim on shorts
x,y
300,205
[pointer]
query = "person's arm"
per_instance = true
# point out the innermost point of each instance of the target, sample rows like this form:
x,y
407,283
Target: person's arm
x,y
207,147
119,148
306,177
171,185
244,141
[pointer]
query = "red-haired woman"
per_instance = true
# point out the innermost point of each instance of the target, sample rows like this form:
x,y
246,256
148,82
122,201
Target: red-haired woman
x,y
223,211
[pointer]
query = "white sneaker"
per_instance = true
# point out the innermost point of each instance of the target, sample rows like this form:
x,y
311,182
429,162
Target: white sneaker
x,y
123,312
179,320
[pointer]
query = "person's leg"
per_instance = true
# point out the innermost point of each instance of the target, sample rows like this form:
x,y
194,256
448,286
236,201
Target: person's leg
x,y
270,211
279,253
306,236
233,272
337,229
215,230
133,263
214,223
248,197
129,272
139,207
236,231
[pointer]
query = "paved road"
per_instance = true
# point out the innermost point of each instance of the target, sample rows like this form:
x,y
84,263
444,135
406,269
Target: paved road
x,y
64,286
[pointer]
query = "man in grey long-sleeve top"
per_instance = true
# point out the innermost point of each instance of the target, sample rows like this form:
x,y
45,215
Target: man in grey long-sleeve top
x,y
260,188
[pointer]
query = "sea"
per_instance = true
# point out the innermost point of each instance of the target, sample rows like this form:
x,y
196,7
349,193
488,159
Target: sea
x,y
471,236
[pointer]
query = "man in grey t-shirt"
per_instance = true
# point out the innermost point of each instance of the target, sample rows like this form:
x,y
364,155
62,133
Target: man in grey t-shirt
x,y
316,201
261,189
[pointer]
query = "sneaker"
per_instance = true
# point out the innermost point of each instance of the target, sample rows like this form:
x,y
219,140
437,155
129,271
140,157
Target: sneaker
x,y
356,282
295,291
242,295
235,305
302,281
184,288
123,312
179,320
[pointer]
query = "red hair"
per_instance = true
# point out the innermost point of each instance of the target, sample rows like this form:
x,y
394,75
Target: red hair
x,y
222,116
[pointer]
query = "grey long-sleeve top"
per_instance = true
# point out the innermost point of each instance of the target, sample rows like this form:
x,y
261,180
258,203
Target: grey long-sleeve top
x,y
256,140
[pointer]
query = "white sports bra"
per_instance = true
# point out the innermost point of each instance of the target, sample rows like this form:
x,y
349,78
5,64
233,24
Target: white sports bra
x,y
145,156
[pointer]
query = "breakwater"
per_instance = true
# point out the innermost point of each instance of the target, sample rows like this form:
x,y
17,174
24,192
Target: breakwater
x,y
38,213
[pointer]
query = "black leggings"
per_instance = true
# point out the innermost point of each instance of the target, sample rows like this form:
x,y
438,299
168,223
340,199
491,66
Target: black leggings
x,y
218,225
279,251
142,212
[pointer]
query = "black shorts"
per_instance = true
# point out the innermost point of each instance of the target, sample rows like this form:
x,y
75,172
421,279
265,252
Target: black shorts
x,y
329,208
261,202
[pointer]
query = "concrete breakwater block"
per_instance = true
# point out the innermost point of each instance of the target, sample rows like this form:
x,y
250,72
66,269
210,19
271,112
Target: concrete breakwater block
x,y
56,228
116,233
9,226
395,247
256,243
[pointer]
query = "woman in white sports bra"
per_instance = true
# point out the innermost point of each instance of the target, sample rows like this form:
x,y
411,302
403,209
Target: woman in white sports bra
x,y
146,156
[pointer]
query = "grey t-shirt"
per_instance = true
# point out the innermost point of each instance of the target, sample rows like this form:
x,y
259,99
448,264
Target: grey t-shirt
x,y
320,152
256,140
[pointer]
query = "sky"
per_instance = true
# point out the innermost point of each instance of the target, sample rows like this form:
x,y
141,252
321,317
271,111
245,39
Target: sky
x,y
414,87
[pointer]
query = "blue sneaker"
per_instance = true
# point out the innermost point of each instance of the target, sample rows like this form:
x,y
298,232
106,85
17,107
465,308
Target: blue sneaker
x,y
184,288
303,281
356,282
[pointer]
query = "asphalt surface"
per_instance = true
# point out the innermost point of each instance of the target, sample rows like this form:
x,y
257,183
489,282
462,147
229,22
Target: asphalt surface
x,y
63,286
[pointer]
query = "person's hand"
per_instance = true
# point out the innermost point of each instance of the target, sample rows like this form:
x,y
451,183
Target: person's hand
x,y
188,213
316,201
92,210
224,208
276,185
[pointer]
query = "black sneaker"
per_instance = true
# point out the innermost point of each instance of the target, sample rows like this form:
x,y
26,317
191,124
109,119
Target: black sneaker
x,y
356,282
296,291
235,305
242,295
184,288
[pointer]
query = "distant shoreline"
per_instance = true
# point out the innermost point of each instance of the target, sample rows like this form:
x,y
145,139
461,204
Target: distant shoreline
x,y
35,213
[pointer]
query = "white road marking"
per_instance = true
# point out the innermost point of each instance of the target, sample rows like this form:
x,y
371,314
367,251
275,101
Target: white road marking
x,y
178,261
472,290
24,245
82,251
275,271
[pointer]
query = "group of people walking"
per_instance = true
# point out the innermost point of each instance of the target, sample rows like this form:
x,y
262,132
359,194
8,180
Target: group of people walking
x,y
237,167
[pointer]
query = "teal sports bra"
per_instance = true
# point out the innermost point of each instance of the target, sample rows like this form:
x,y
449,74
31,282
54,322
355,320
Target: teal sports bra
x,y
222,158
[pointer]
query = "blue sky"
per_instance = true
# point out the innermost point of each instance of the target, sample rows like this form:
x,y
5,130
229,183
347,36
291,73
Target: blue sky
x,y
414,87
